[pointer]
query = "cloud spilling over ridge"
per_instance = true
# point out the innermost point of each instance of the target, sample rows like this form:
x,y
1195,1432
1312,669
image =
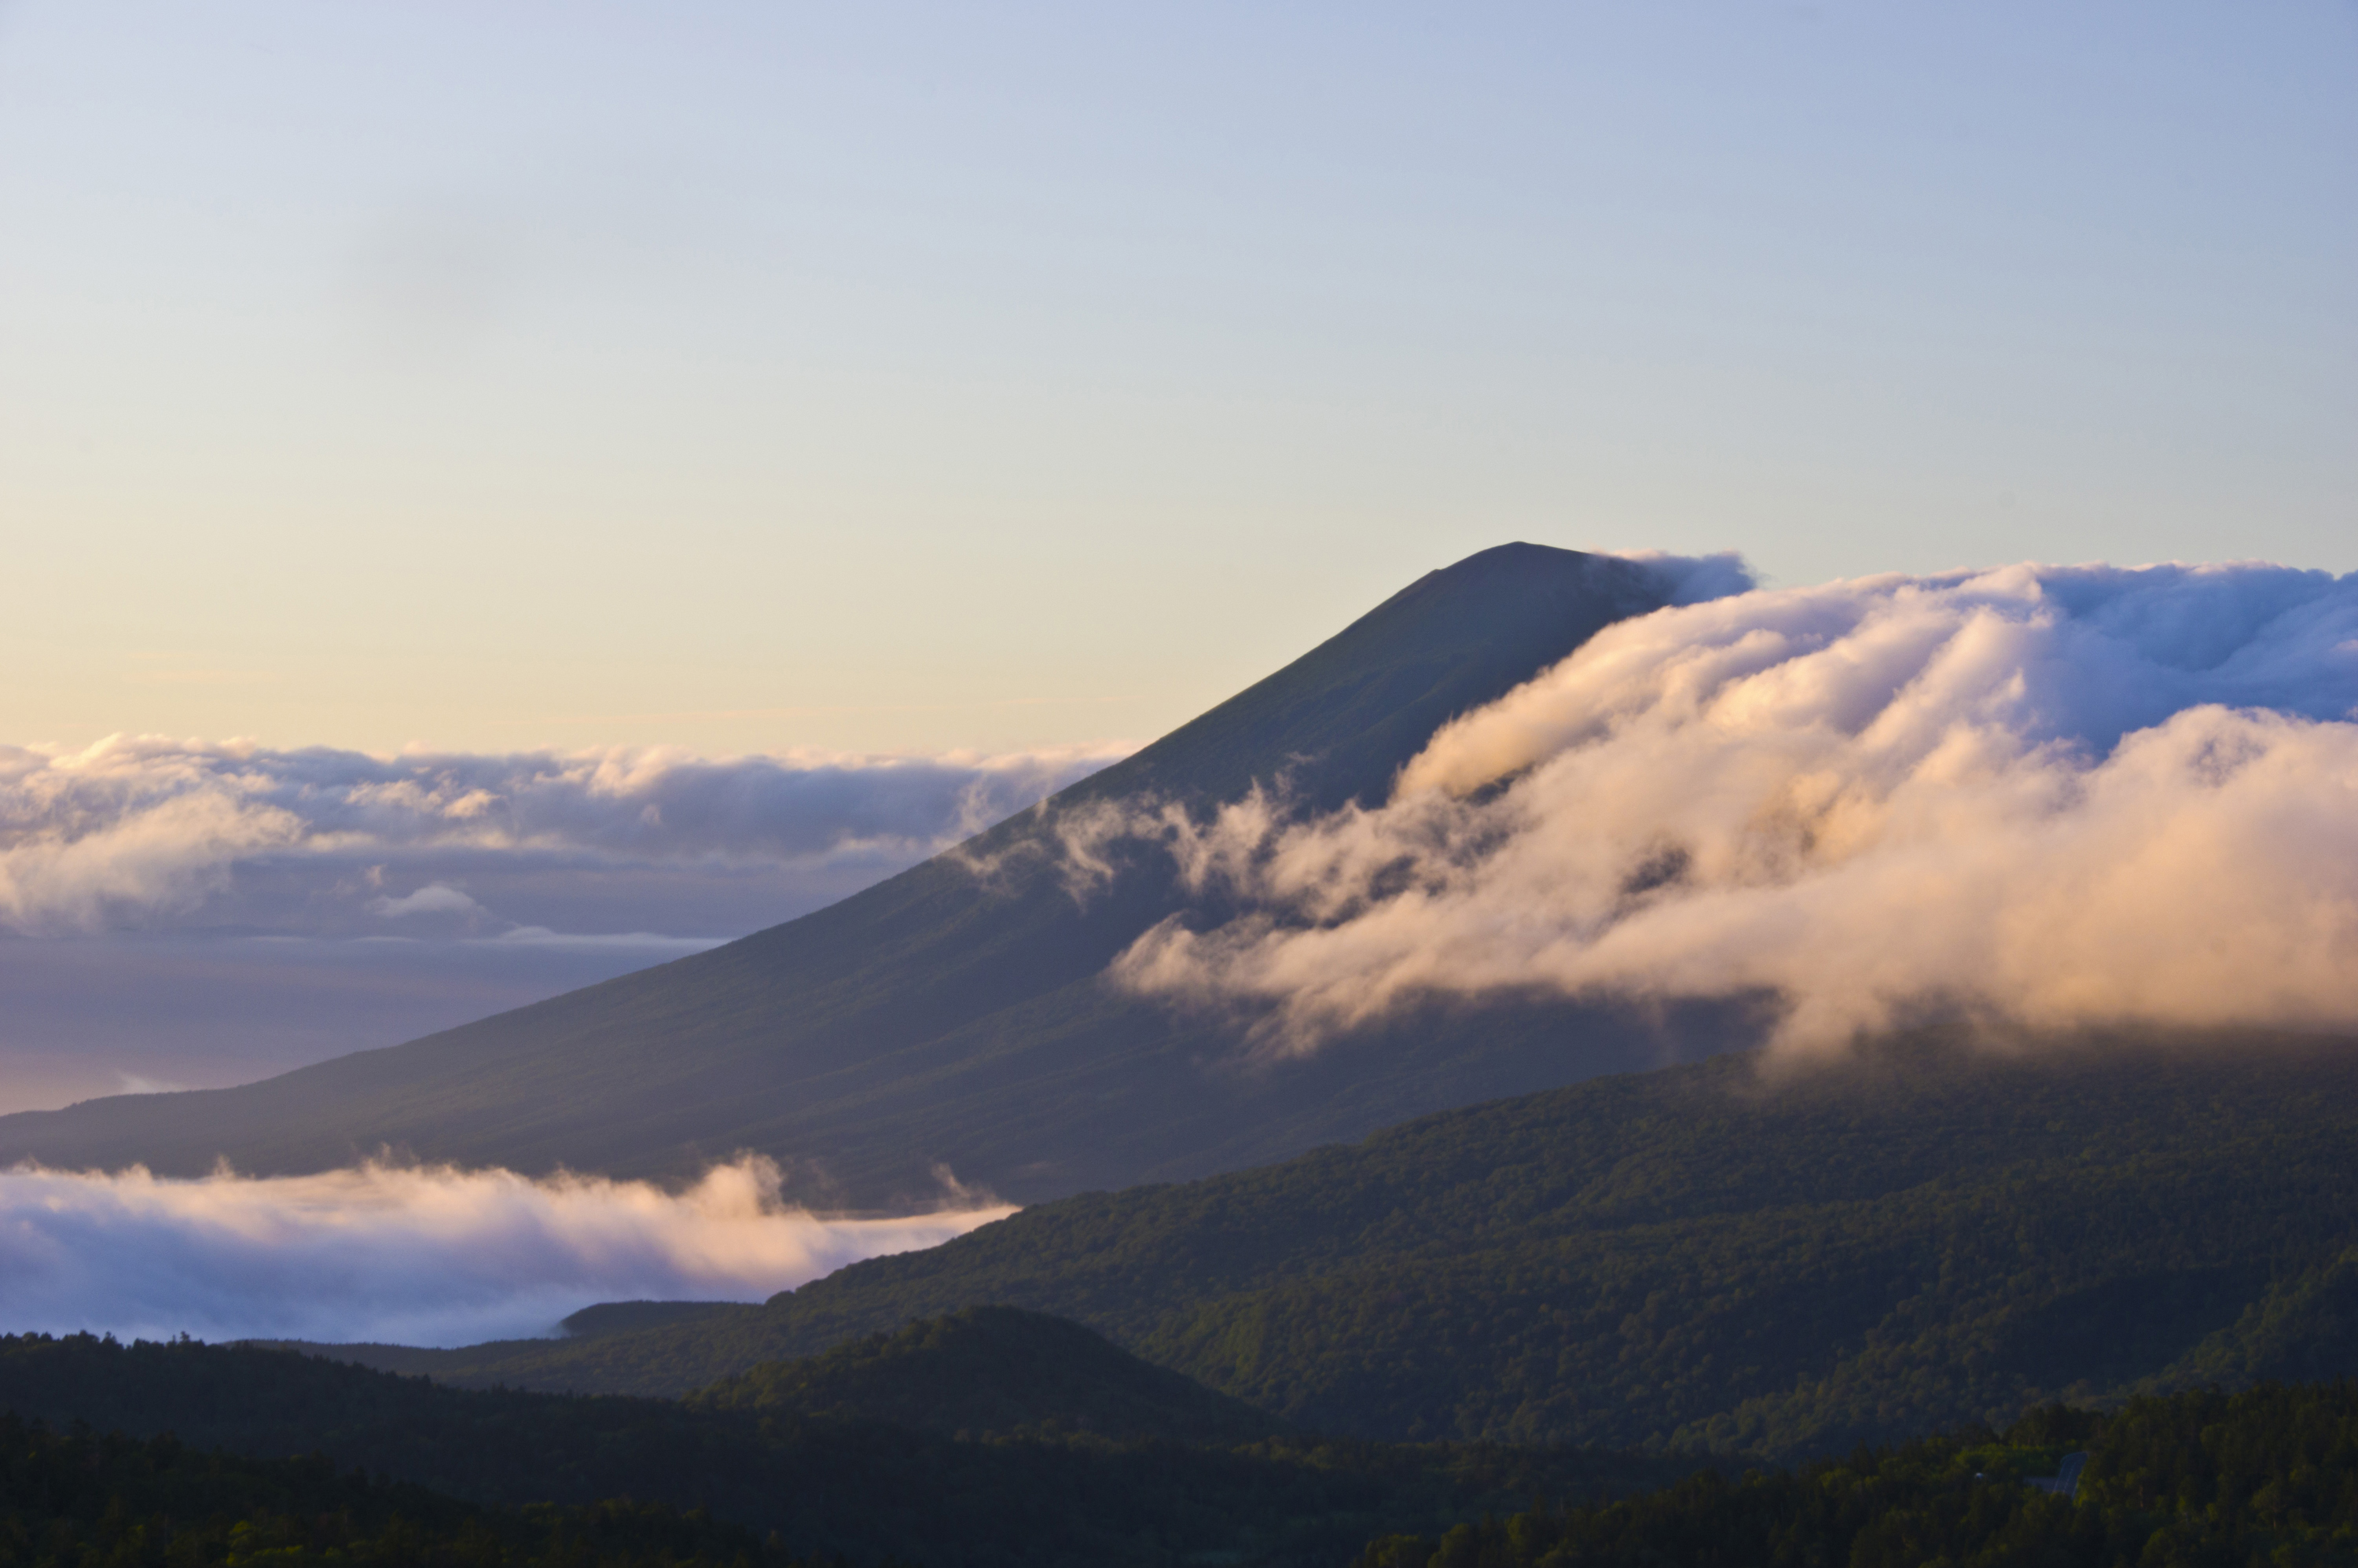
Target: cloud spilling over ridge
x,y
154,834
413,1256
2036,796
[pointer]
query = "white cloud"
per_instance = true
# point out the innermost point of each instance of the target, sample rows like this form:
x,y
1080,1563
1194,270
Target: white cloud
x,y
434,898
2053,796
415,1256
148,833
135,1084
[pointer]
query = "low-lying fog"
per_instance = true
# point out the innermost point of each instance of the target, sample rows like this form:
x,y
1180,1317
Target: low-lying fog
x,y
187,914
406,1255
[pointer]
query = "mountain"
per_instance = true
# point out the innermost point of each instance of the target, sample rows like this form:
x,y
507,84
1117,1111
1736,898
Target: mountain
x,y
1699,1257
949,1018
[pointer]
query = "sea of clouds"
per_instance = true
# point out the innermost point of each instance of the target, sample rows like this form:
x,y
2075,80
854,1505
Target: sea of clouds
x,y
177,912
148,834
183,913
410,1256
2036,796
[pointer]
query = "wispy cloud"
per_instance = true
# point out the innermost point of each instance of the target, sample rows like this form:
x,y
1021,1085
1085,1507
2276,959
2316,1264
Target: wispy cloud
x,y
147,833
434,898
416,1256
2053,796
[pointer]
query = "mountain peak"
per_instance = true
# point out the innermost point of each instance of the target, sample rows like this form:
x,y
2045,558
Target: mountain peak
x,y
944,1019
1341,720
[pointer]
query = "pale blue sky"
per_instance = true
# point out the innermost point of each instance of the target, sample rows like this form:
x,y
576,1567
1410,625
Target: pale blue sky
x,y
753,376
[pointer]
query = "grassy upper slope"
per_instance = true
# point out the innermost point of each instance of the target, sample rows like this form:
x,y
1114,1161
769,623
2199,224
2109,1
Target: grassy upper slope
x,y
947,1018
1695,1257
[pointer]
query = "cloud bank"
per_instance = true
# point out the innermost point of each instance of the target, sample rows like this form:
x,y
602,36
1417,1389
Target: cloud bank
x,y
421,1256
147,834
2038,796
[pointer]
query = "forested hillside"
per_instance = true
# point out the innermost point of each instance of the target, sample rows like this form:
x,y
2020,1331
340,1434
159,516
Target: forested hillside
x,y
2270,1476
84,1497
1696,1258
1053,1485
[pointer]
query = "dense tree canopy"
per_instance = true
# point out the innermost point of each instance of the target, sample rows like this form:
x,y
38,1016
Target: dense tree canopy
x,y
2202,1479
1054,1486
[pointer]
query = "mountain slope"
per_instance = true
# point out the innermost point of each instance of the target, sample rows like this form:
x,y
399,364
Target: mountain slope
x,y
947,1018
1691,1257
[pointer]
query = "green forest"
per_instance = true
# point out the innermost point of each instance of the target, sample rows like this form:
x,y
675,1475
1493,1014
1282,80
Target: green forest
x,y
1694,1316
925,1446
77,1499
1701,1258
2266,1474
2201,1479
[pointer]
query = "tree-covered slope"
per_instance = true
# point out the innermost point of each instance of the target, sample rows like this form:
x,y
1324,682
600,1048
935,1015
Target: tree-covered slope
x,y
1695,1257
825,1483
2268,1475
951,1017
81,1497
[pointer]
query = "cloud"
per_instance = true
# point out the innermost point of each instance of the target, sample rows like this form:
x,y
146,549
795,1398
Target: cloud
x,y
1695,579
2039,796
414,1256
434,898
150,834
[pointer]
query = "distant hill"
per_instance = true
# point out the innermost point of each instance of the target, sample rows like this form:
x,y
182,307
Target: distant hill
x,y
982,1371
589,1322
943,1019
996,1371
1695,1257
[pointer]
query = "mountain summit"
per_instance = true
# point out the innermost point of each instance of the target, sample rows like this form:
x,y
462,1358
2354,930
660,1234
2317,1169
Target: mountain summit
x,y
948,1019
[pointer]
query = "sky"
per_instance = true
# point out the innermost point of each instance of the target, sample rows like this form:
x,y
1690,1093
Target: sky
x,y
905,378
496,495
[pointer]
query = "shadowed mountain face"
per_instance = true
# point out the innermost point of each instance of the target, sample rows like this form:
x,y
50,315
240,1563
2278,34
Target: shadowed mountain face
x,y
949,1018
